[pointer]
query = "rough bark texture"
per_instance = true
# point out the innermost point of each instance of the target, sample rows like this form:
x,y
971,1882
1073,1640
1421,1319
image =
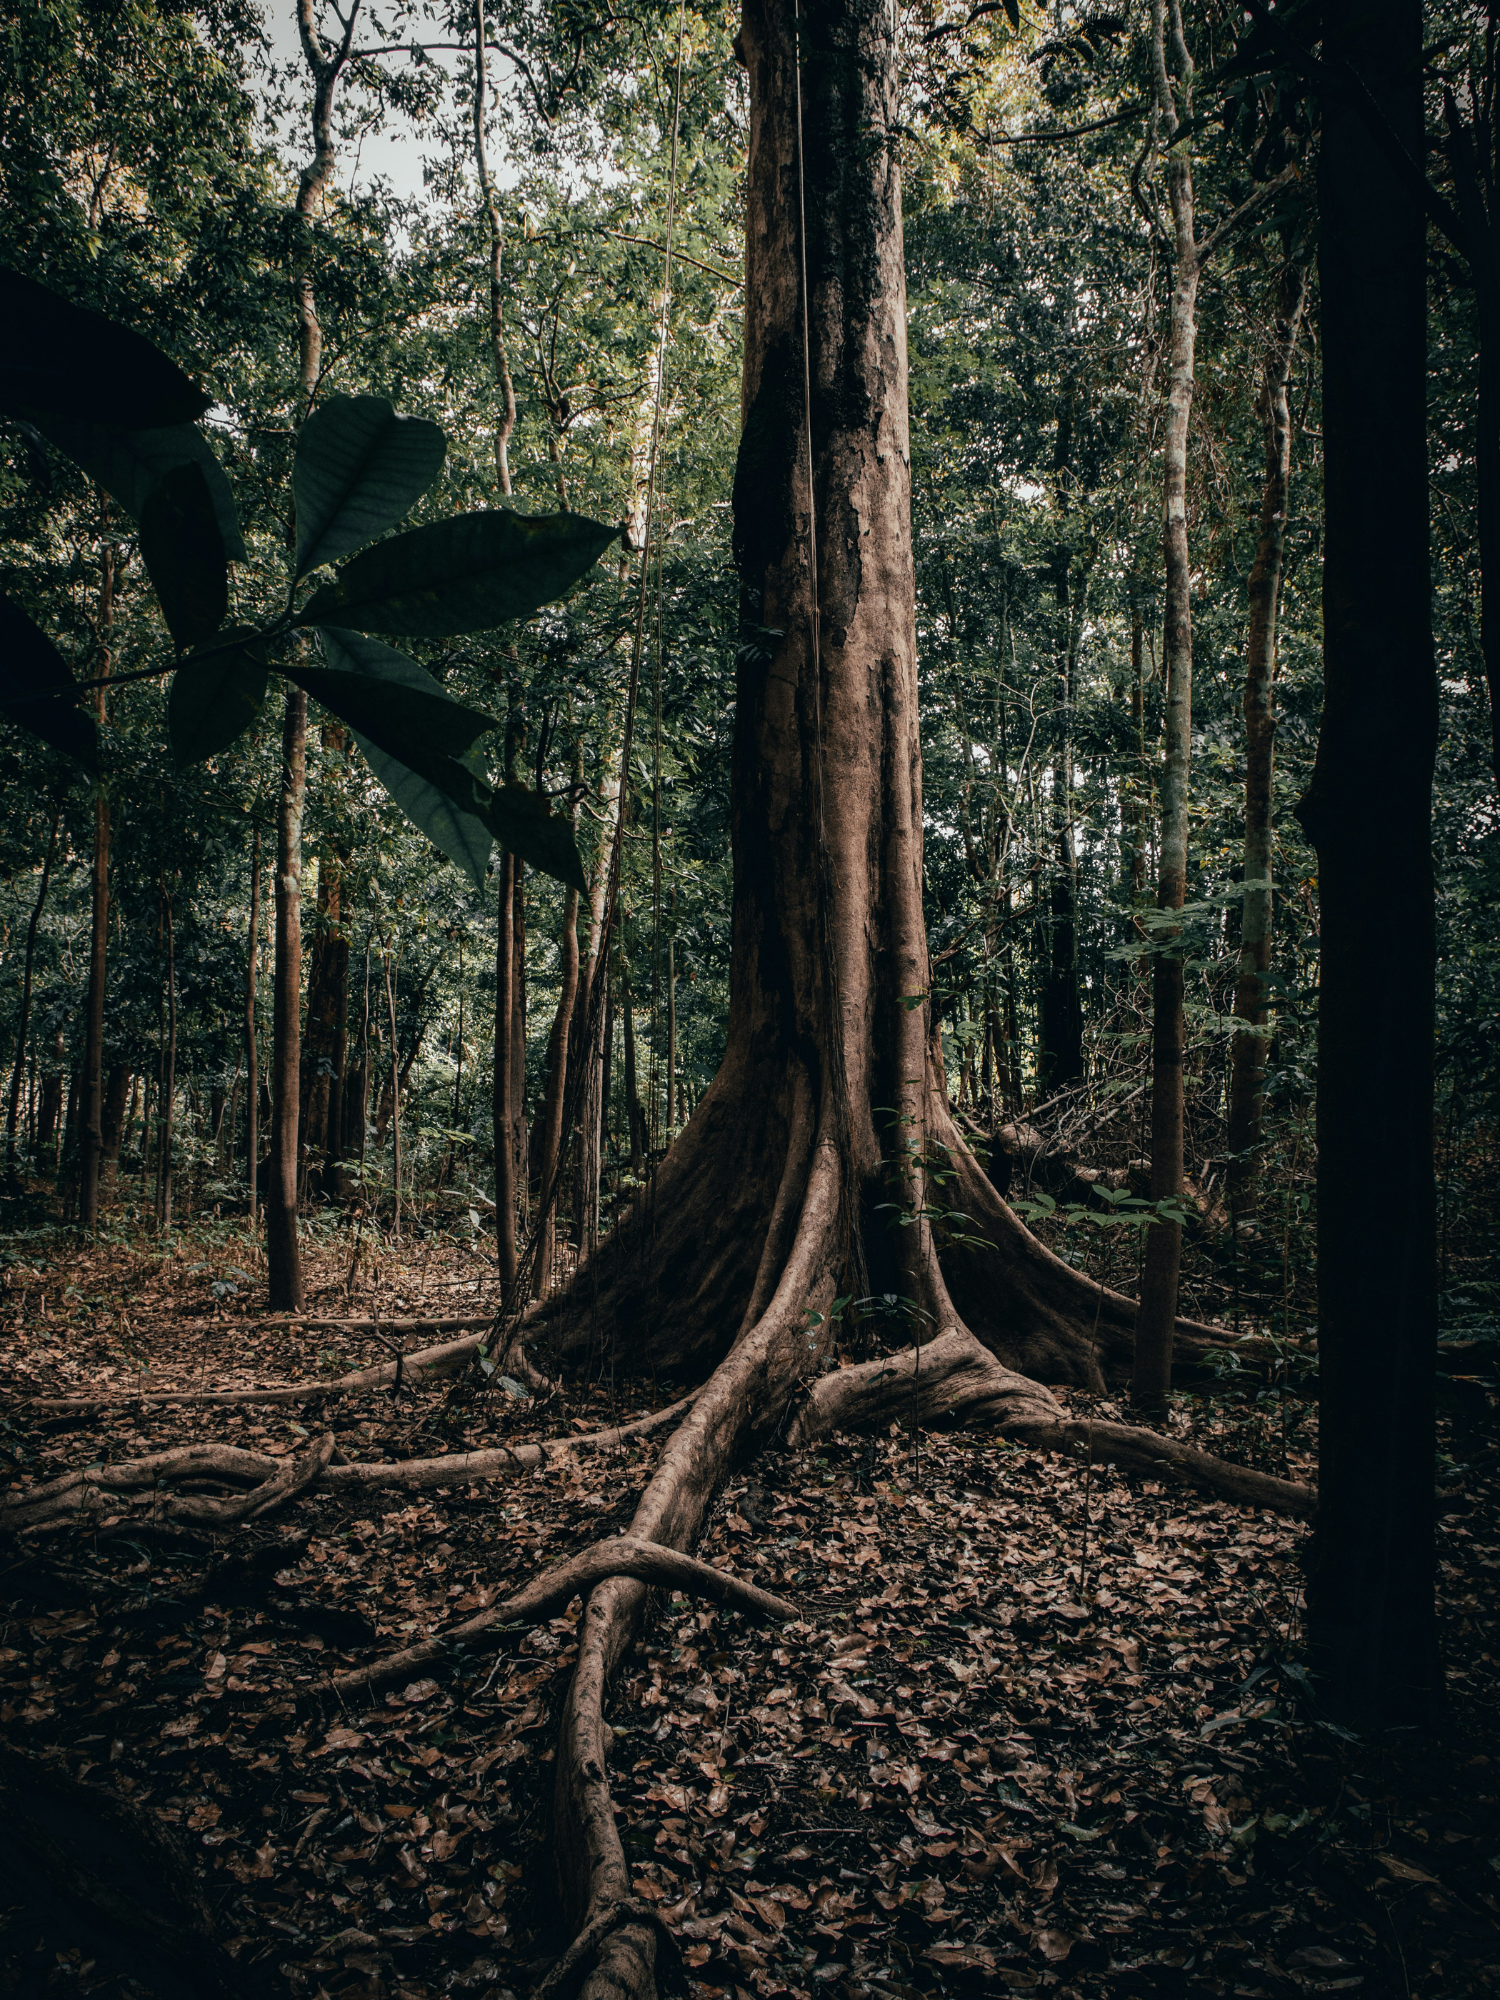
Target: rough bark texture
x,y
1247,1059
1370,1594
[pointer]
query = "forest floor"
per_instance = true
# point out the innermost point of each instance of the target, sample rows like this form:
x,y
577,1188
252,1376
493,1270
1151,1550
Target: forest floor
x,y
1040,1728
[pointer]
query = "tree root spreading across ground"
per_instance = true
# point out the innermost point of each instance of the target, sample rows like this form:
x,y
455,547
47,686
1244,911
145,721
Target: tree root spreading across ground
x,y
995,1749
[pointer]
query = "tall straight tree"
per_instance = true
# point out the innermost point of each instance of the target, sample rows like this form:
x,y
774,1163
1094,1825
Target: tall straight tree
x,y
91,1150
1247,1058
325,64
1172,74
1368,811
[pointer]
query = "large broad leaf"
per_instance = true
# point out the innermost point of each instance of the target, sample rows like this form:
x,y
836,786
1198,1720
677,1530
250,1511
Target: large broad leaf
x,y
462,575
129,464
446,795
463,837
184,555
216,694
403,720
37,689
55,356
358,468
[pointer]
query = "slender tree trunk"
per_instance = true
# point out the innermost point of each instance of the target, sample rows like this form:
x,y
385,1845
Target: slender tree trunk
x,y
23,1025
168,1085
1137,801
504,1086
252,1053
282,1253
1368,811
1163,1254
552,1108
92,1136
396,1081
635,1116
505,422
1061,1013
1247,1057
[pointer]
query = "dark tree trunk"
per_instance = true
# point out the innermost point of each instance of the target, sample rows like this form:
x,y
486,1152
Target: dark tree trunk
x,y
504,1093
92,1136
23,1024
325,1040
252,1055
116,1093
168,1086
1368,812
282,1254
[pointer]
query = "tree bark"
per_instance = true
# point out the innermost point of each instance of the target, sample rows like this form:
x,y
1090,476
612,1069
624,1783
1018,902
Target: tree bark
x,y
252,1055
1370,1592
1247,1056
23,1025
282,1253
1152,1373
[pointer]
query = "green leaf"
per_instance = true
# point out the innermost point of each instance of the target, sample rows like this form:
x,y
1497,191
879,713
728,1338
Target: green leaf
x,y
402,719
55,356
184,555
417,740
461,575
464,837
216,695
38,691
358,468
128,464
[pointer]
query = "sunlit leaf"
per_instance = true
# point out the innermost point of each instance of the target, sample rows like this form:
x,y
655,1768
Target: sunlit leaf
x,y
38,691
184,555
216,696
359,468
461,575
55,356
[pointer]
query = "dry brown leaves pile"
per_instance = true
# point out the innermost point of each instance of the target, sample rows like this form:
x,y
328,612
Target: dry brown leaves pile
x,y
1041,1728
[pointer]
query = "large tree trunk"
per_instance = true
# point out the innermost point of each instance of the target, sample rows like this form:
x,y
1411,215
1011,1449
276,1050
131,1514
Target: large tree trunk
x,y
1247,1059
283,1256
1163,1253
1370,1593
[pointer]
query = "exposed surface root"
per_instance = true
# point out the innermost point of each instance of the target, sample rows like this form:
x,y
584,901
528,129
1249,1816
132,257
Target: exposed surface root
x,y
648,1562
96,1489
425,1365
955,1376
